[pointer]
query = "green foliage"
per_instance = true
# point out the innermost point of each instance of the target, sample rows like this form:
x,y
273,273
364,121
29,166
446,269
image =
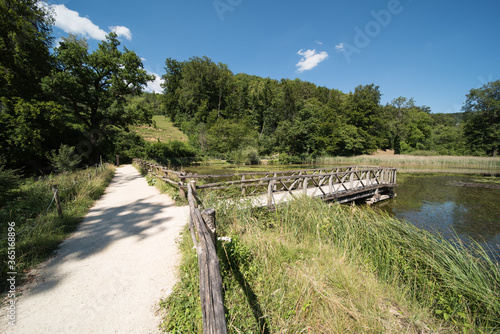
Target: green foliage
x,y
65,159
482,122
9,180
247,156
174,152
128,146
93,87
25,28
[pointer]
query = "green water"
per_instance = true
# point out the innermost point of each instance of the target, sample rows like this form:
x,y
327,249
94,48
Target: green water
x,y
436,203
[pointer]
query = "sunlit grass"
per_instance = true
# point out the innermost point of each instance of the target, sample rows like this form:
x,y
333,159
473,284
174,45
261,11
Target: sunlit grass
x,y
163,130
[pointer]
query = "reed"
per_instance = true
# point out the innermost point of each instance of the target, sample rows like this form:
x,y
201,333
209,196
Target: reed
x,y
315,267
486,163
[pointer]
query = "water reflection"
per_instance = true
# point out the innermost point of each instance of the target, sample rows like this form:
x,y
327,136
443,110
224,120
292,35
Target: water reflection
x,y
432,202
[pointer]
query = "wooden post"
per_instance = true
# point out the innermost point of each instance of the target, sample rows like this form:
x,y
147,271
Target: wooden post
x,y
58,202
304,185
243,185
182,183
330,184
209,219
270,187
368,178
117,160
274,182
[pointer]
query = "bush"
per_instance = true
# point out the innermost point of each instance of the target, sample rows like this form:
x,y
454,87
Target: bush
x,y
65,159
247,156
128,146
174,152
251,156
9,180
285,159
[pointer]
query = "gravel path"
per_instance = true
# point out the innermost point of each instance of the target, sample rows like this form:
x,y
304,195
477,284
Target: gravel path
x,y
110,275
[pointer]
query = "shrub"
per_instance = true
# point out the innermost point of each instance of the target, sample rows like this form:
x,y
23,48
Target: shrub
x,y
174,152
9,180
65,159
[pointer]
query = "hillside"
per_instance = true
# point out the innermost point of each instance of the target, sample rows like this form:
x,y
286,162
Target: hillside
x,y
163,129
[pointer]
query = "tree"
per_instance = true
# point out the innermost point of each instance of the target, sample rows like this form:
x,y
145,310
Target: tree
x,y
93,88
363,111
25,39
171,83
482,119
29,123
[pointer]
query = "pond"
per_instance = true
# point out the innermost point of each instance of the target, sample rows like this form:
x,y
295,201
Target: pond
x,y
452,204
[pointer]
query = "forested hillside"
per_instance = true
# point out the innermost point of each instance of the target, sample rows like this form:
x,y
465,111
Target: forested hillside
x,y
68,102
222,113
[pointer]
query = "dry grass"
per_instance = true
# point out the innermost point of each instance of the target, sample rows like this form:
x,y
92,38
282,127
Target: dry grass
x,y
485,163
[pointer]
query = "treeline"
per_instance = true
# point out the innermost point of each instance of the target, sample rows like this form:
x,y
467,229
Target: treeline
x,y
224,114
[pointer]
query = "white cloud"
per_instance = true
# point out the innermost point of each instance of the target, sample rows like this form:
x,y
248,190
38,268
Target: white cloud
x,y
122,31
154,86
319,42
340,47
310,59
70,21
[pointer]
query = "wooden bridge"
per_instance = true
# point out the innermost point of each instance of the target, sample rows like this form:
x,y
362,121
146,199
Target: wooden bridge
x,y
369,184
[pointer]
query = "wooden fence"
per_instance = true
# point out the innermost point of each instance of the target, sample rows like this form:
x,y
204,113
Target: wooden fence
x,y
341,184
203,234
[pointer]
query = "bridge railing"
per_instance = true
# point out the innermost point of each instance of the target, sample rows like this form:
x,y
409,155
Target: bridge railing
x,y
325,182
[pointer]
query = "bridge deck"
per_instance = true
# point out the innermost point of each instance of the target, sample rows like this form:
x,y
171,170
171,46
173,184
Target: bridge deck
x,y
340,194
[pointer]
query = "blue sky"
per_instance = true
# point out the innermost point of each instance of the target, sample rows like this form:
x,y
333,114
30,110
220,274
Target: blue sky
x,y
433,51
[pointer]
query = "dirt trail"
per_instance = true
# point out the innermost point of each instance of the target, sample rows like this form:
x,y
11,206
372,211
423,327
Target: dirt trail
x,y
109,276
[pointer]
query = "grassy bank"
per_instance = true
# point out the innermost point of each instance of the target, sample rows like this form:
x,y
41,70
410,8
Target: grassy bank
x,y
38,228
319,268
487,163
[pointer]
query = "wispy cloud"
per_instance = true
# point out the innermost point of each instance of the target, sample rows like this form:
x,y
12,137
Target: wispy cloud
x,y
70,21
340,47
318,42
122,31
155,85
310,59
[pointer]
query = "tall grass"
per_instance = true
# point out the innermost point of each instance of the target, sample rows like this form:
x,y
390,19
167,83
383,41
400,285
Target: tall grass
x,y
488,163
39,234
320,268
